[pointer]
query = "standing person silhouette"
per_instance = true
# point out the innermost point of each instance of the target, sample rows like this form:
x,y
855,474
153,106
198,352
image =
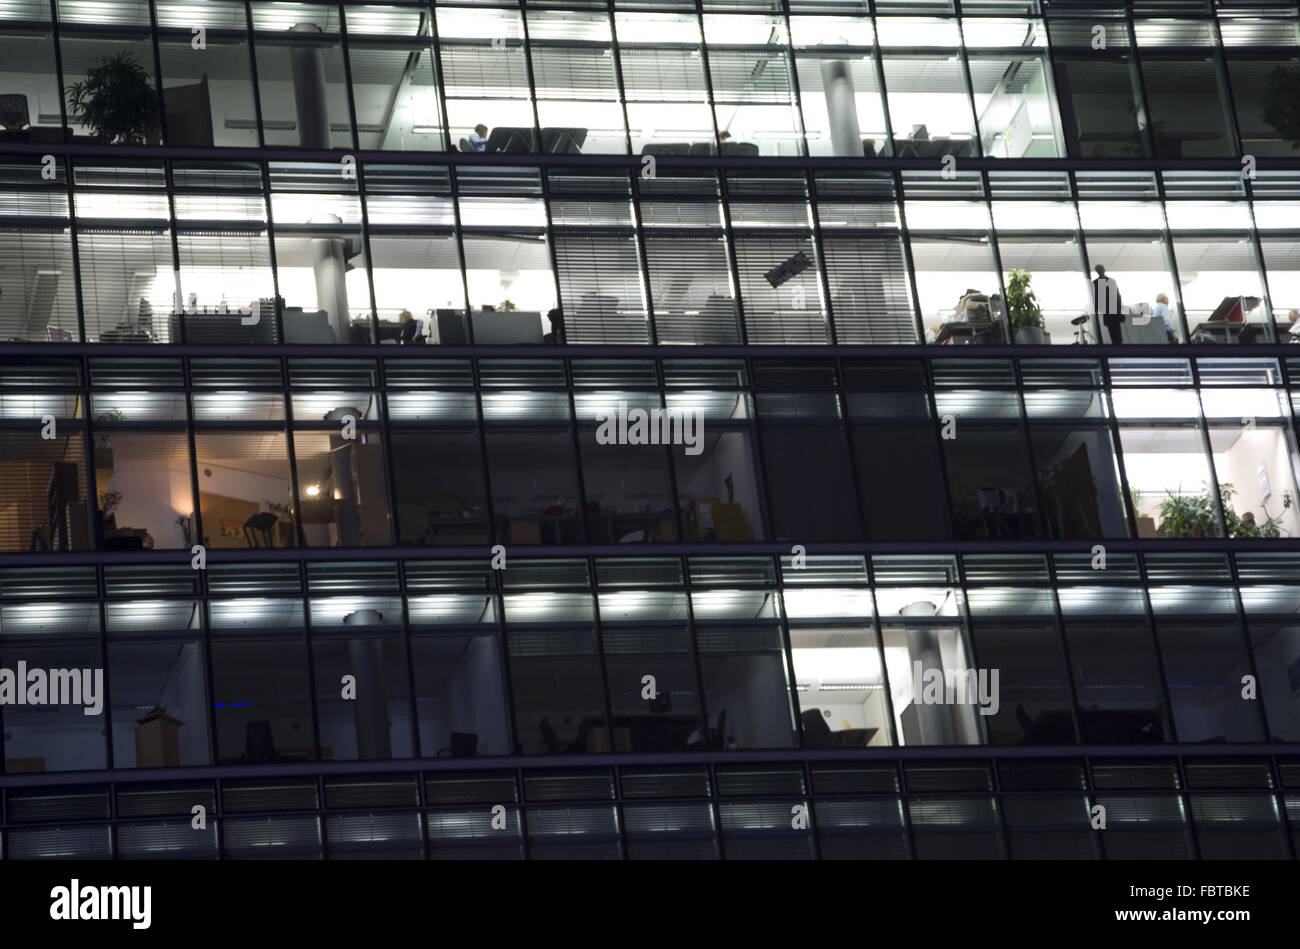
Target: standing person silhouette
x,y
1106,303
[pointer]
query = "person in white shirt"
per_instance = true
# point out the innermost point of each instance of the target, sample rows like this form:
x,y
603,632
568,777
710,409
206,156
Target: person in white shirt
x,y
1294,318
1163,311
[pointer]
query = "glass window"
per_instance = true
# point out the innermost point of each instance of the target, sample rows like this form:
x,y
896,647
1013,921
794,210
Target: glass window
x,y
320,261
485,71
244,489
645,633
38,254
837,77
394,88
929,106
1255,466
1034,702
717,486
208,92
45,491
374,722
555,673
1260,108
1169,481
1097,89
629,492
990,482
749,65
573,77
899,469
1078,477
956,278
663,80
1277,649
1015,110
1221,285
1171,82
58,737
1116,679
142,483
158,674
1125,239
802,437
1204,664
301,76
441,496
598,264
534,479
31,74
925,648
98,57
261,689
342,487
1051,262
511,286
459,670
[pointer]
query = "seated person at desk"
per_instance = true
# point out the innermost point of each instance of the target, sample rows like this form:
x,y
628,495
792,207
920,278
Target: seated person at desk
x,y
556,336
868,148
1294,319
724,137
478,138
1162,310
410,329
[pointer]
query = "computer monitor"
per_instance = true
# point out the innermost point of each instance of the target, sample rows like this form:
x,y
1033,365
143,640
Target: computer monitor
x,y
920,133
505,138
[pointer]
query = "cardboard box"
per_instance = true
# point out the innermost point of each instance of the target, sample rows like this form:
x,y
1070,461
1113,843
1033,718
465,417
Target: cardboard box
x,y
157,741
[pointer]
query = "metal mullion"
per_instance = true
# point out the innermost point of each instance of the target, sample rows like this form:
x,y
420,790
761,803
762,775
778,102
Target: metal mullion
x,y
878,631
410,678
846,432
522,808
532,99
440,85
1218,54
1184,793
345,53
599,631
964,59
618,74
1028,443
819,247
787,652
966,631
276,301
1139,82
1166,236
308,631
1145,580
453,179
1094,323
1064,640
1243,626
997,258
1117,449
935,420
363,197
257,92
766,521
918,318
729,237
158,77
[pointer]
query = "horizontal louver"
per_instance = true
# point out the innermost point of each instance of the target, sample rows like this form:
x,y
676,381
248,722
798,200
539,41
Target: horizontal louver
x,y
43,492
583,73
690,285
870,296
600,285
750,76
790,313
662,75
485,72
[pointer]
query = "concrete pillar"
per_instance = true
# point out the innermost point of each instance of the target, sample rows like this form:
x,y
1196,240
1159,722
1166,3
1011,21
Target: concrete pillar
x,y
308,65
341,462
366,659
935,720
842,107
329,265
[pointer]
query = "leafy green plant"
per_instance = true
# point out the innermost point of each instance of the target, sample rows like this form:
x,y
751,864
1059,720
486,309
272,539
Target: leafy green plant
x,y
112,415
116,101
506,305
108,502
1271,527
1022,306
186,524
1280,96
282,511
1191,515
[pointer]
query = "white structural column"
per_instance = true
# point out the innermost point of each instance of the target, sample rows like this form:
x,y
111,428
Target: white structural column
x,y
842,107
366,657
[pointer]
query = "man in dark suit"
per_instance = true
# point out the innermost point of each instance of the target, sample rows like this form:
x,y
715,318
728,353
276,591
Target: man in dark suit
x,y
1106,303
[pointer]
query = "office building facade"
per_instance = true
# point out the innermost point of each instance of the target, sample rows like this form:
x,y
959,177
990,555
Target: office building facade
x,y
642,430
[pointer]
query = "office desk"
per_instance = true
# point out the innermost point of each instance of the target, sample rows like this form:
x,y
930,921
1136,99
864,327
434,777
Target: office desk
x,y
961,332
506,326
1222,332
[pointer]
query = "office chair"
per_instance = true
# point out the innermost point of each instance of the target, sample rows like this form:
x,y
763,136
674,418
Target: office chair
x,y
816,733
260,524
465,146
721,739
14,116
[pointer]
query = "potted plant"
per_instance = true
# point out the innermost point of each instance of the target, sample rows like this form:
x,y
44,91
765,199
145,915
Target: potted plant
x,y
103,442
1146,524
186,524
1023,311
1280,96
116,101
108,502
1191,515
506,306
